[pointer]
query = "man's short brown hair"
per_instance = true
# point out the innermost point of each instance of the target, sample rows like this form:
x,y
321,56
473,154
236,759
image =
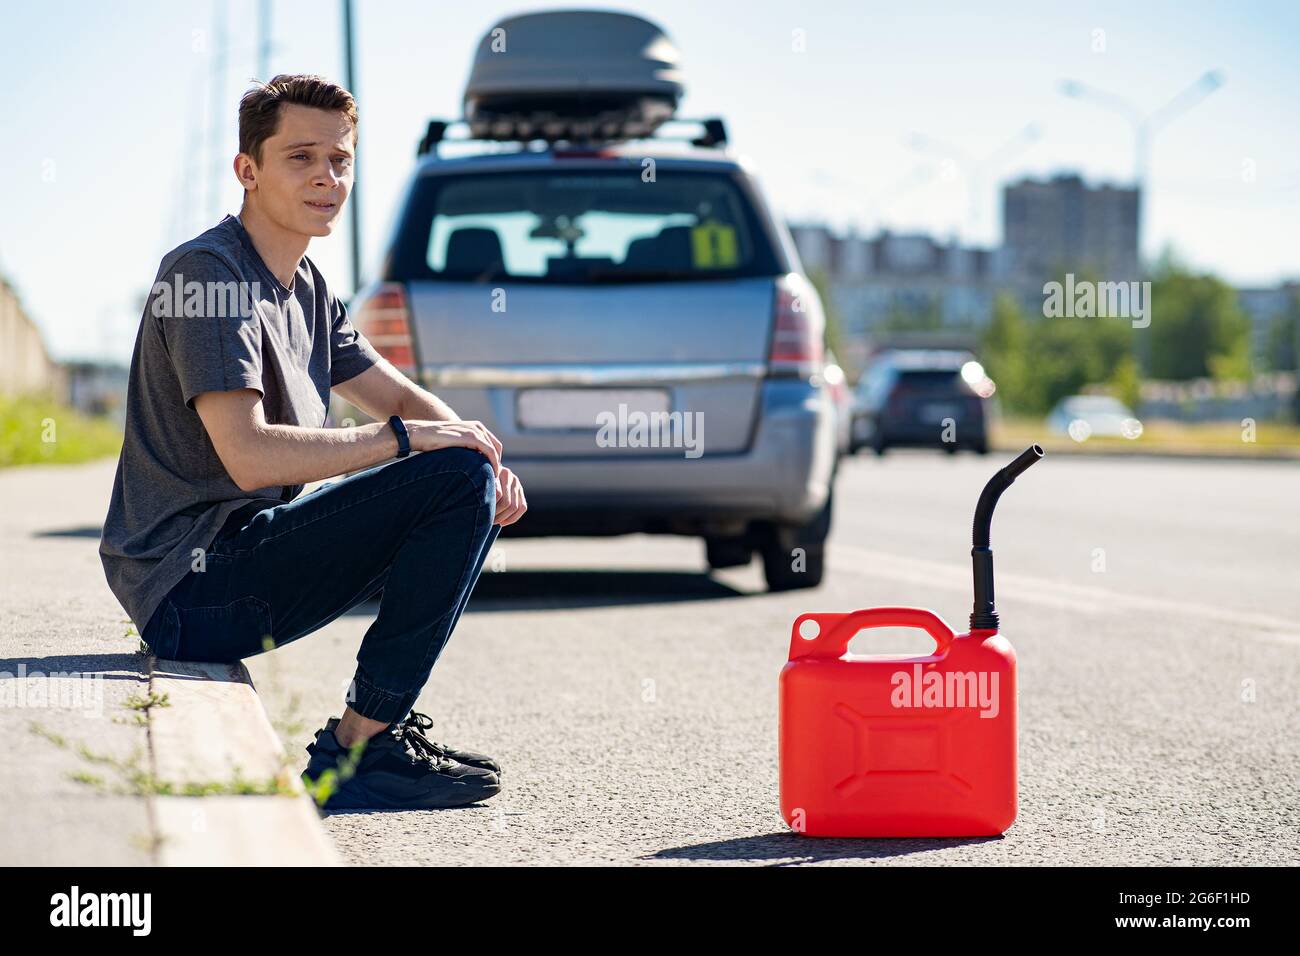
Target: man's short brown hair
x,y
259,109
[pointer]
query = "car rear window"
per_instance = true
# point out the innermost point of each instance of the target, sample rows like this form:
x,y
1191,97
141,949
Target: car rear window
x,y
931,380
581,226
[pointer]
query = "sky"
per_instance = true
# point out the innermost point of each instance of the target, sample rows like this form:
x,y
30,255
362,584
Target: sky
x,y
118,122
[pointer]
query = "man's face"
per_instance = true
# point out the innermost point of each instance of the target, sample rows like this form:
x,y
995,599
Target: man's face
x,y
306,170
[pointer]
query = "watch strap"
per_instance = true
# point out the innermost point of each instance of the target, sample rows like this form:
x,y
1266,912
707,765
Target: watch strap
x,y
403,437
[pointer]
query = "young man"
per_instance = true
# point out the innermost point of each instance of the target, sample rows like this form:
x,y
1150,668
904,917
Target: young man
x,y
209,545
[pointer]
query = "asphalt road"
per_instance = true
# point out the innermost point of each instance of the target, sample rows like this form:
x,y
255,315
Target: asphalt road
x,y
631,697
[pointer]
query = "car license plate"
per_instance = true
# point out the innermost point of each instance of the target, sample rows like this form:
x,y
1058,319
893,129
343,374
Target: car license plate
x,y
937,413
580,408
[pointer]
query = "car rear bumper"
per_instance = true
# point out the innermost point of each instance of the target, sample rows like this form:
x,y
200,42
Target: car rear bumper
x,y
784,477
966,432
933,435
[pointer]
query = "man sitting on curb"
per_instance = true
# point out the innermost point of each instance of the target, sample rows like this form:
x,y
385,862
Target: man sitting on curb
x,y
209,545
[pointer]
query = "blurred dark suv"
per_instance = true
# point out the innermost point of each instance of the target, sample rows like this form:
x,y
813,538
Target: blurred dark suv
x,y
921,398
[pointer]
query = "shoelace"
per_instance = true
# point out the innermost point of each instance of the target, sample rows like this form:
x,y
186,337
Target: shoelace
x,y
412,730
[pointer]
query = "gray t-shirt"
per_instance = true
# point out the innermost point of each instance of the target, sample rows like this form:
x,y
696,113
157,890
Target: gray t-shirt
x,y
216,319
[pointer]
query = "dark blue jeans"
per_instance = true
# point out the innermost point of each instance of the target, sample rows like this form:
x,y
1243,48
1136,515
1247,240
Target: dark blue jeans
x,y
417,530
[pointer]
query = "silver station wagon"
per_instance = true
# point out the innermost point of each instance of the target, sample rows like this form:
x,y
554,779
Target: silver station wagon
x,y
633,324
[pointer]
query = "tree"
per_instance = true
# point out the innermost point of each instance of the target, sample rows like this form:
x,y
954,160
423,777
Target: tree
x,y
1040,360
1004,350
922,316
1284,337
1126,382
1197,328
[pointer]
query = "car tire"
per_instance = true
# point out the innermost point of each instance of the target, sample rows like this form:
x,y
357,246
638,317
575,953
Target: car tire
x,y
780,576
727,552
778,547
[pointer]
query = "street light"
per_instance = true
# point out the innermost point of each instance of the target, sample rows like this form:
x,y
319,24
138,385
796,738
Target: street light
x,y
977,170
1146,124
869,212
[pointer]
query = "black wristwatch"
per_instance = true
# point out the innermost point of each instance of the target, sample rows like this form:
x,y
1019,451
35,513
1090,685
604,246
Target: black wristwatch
x,y
403,439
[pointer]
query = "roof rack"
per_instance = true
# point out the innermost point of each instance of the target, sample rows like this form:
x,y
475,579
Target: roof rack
x,y
585,132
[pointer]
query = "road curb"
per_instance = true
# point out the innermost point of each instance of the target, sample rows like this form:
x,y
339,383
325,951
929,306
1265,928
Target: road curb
x,y
208,731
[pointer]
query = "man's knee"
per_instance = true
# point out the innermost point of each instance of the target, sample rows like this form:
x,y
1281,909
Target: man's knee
x,y
472,464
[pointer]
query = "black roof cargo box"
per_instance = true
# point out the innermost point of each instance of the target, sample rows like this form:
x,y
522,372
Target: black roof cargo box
x,y
578,75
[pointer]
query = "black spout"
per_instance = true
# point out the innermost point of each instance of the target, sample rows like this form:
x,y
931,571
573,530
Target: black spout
x,y
983,616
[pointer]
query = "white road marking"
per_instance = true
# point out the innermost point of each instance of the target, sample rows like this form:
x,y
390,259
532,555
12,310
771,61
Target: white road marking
x,y
1057,594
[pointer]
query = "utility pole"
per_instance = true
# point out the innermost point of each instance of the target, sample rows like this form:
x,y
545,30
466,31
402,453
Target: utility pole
x,y
216,115
263,40
350,80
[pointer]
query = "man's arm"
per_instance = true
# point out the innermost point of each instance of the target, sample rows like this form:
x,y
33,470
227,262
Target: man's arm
x,y
381,391
258,454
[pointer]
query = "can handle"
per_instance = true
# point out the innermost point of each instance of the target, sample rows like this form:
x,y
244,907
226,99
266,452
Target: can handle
x,y
837,630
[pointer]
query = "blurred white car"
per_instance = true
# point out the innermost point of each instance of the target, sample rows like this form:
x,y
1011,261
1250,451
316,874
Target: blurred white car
x,y
1085,416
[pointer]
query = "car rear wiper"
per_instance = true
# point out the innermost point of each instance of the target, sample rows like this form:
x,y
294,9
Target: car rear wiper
x,y
642,275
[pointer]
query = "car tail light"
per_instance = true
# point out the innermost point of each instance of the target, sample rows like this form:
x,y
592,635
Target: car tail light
x,y
381,314
796,329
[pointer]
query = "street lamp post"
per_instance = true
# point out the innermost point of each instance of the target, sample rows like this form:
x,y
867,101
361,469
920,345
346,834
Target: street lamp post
x,y
977,170
1145,125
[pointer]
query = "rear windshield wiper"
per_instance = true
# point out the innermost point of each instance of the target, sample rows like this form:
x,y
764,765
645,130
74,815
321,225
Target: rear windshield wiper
x,y
643,275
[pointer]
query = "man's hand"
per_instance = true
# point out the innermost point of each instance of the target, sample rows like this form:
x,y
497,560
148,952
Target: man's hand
x,y
511,503
257,454
430,436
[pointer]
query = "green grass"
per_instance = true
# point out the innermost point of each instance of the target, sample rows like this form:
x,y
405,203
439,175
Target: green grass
x,y
40,431
1160,437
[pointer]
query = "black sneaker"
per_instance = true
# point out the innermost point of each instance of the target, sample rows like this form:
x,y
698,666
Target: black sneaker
x,y
394,771
418,723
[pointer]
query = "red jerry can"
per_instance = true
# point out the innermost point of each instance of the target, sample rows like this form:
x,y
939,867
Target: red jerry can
x,y
896,745
888,745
